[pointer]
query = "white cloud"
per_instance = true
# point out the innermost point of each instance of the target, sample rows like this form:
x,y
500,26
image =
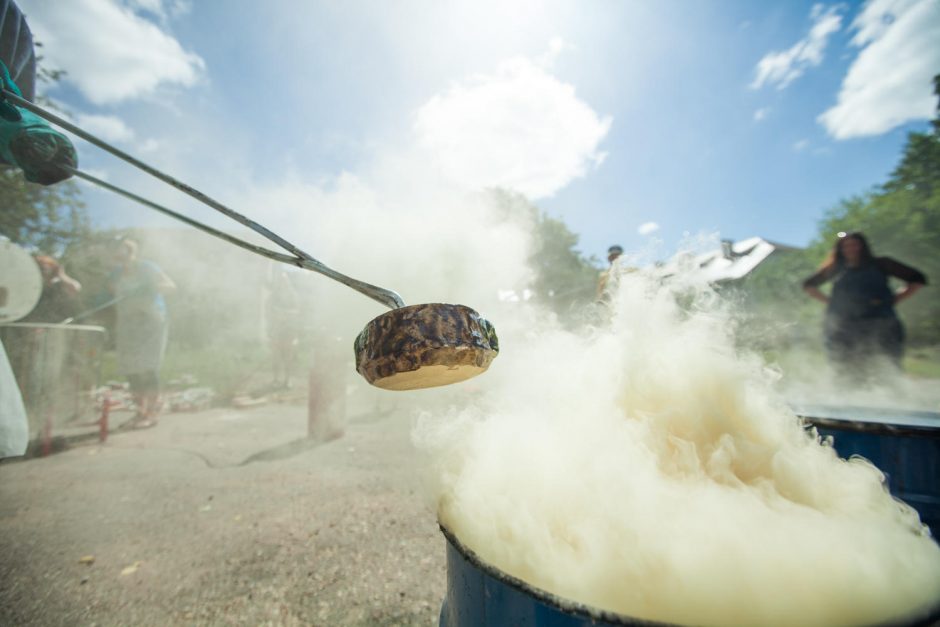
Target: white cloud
x,y
555,48
783,67
761,114
801,145
647,228
520,128
890,83
108,127
110,53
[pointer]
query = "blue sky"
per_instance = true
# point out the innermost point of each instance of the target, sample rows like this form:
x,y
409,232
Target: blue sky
x,y
631,121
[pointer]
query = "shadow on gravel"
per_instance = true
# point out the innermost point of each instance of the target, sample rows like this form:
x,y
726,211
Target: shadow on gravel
x,y
284,451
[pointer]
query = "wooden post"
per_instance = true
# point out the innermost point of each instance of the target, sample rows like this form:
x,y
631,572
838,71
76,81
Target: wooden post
x,y
47,435
326,405
103,421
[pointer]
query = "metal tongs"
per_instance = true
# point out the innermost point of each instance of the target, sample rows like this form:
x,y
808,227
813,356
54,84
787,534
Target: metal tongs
x,y
297,257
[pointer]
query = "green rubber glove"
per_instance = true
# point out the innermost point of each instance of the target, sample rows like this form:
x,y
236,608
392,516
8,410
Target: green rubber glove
x,y
27,141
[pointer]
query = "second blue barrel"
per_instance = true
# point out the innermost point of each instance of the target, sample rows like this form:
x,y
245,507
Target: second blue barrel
x,y
903,444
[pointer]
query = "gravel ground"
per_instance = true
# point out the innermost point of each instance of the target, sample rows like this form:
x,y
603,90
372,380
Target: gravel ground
x,y
224,517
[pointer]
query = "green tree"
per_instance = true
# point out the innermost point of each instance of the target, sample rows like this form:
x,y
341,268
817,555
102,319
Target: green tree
x,y
901,219
564,279
47,219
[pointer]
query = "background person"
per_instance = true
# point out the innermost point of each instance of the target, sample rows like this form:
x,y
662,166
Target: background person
x,y
59,299
141,326
62,358
861,322
605,283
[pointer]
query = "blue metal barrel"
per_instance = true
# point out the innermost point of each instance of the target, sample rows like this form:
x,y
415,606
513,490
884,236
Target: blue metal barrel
x,y
904,445
479,595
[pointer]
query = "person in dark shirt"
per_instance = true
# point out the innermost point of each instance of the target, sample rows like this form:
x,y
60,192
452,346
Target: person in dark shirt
x,y
861,322
59,298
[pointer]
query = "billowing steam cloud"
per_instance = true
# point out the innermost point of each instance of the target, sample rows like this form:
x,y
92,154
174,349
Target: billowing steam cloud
x,y
650,469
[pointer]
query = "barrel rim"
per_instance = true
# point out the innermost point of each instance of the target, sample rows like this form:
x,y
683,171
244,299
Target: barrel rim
x,y
553,600
837,424
876,420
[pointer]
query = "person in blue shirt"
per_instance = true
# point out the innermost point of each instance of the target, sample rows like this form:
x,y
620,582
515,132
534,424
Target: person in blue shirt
x,y
142,328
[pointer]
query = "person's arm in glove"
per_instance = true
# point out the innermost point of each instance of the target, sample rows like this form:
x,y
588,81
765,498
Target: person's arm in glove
x,y
28,142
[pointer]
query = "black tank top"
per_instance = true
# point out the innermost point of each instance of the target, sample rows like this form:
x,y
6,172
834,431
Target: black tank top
x,y
861,292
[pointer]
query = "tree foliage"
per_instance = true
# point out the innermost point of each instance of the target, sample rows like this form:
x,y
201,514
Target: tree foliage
x,y
45,219
901,219
563,279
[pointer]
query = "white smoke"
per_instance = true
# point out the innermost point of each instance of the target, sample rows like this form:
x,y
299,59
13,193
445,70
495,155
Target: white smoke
x,y
648,468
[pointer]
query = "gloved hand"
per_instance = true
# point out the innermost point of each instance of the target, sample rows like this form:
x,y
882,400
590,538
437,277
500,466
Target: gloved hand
x,y
27,141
